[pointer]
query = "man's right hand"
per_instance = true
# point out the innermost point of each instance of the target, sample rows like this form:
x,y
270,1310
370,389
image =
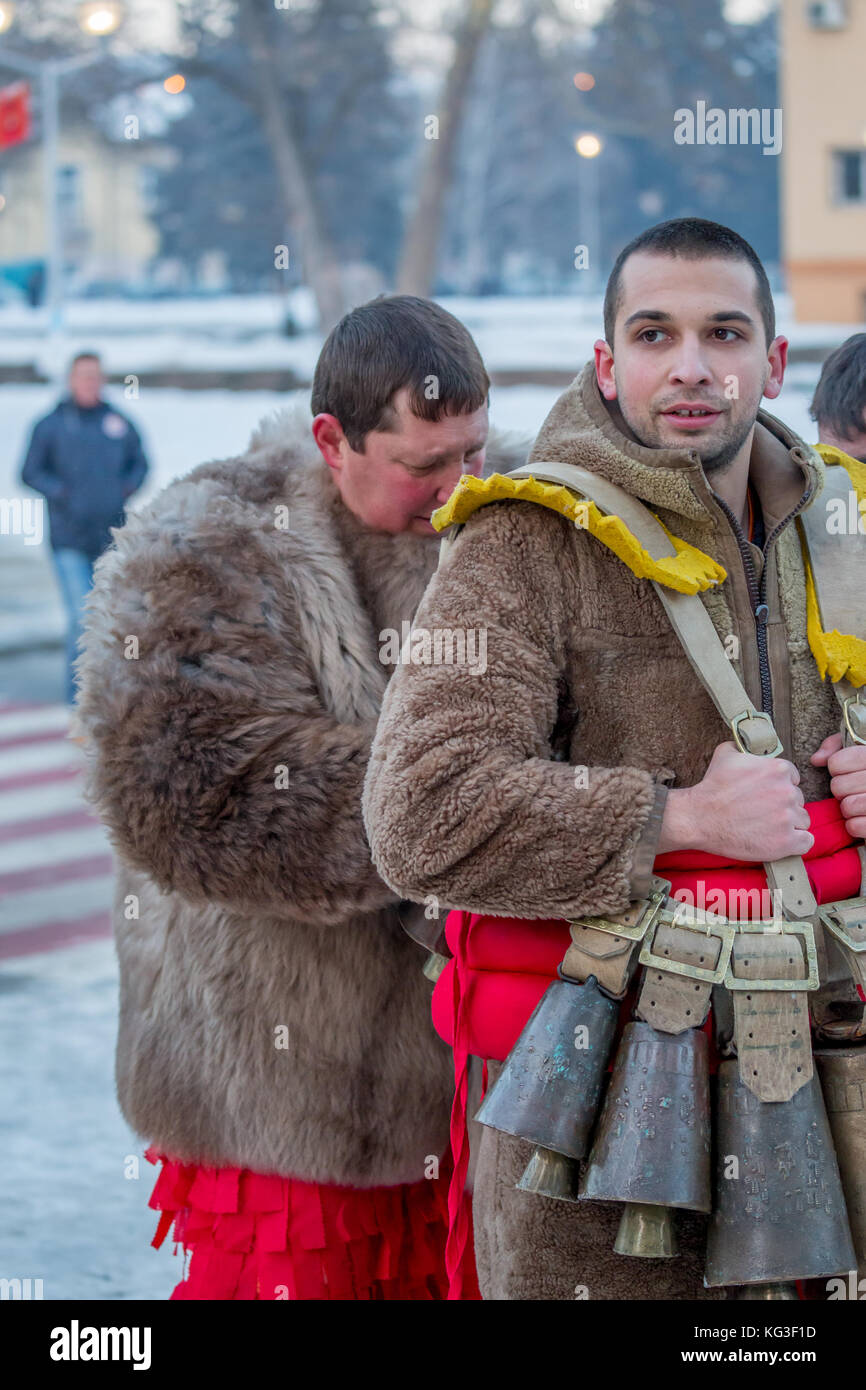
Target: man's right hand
x,y
744,807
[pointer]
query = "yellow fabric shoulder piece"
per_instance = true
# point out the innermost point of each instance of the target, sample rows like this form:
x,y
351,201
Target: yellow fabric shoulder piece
x,y
838,654
853,467
689,571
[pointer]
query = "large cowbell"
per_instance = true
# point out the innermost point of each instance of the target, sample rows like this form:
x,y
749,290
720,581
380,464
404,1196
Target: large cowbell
x,y
549,1086
842,1072
780,1211
652,1145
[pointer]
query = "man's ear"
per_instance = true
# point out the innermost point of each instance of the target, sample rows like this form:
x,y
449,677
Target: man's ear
x,y
605,374
777,360
331,441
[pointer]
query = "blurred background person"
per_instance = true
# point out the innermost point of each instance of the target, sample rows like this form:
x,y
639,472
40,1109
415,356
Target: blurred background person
x,y
839,402
86,459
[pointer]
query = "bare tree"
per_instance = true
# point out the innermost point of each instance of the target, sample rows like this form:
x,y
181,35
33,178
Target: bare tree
x,y
424,230
303,211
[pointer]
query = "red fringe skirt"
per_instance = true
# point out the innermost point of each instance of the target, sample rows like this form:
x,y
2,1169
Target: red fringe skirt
x,y
253,1236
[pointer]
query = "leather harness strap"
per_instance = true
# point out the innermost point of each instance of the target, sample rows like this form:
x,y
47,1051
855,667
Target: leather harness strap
x,y
775,1065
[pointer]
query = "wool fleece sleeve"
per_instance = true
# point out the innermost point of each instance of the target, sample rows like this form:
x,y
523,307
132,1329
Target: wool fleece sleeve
x,y
463,800
210,756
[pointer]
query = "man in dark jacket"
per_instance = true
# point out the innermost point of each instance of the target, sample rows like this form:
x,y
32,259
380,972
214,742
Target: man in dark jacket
x,y
86,459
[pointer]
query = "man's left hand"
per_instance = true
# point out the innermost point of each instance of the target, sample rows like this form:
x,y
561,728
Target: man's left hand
x,y
847,769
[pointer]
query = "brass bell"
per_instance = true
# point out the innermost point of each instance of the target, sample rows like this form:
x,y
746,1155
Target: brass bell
x,y
550,1083
652,1146
646,1231
549,1174
780,1211
842,1073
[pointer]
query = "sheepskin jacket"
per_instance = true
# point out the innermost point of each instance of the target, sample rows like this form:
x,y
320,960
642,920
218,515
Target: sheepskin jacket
x,y
536,787
273,1011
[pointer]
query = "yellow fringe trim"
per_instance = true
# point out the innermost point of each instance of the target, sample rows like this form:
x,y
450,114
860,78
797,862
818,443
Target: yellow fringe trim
x,y
688,571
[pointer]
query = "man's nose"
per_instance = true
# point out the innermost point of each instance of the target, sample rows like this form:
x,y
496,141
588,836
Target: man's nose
x,y
690,366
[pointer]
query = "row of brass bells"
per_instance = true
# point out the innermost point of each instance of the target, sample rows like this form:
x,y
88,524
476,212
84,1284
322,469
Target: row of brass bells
x,y
780,1210
550,1083
783,1218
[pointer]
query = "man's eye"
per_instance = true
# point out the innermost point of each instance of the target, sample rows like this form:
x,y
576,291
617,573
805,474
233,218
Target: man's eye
x,y
728,330
643,335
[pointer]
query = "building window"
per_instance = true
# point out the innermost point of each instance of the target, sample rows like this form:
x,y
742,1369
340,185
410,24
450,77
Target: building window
x,y
849,176
827,14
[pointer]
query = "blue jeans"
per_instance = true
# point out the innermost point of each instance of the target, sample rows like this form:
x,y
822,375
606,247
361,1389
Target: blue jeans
x,y
75,576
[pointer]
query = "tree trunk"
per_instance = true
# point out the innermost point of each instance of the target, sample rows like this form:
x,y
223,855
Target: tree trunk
x,y
303,212
421,243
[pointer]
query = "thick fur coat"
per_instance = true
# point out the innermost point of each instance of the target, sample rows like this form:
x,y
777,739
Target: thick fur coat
x,y
467,795
273,1012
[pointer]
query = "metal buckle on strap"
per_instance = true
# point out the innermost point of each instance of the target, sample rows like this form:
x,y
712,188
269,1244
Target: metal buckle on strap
x,y
757,714
780,927
844,916
718,927
859,714
652,907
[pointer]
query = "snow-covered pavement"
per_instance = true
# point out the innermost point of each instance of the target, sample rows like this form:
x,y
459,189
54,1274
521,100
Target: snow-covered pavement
x,y
74,1183
73,1180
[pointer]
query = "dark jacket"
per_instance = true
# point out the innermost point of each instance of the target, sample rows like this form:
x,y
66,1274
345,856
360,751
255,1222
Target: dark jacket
x,y
86,462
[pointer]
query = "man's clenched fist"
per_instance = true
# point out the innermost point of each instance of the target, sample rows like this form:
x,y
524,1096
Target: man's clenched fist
x,y
744,807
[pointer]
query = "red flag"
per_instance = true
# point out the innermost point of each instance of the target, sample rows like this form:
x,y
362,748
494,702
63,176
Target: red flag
x,y
14,114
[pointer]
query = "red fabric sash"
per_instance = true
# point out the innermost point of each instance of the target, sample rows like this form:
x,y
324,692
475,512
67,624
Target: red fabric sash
x,y
502,966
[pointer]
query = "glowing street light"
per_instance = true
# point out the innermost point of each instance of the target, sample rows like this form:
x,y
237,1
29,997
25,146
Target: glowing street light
x,y
99,16
7,16
588,146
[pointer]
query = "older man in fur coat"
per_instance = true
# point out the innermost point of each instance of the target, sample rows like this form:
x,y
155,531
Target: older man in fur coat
x,y
275,1042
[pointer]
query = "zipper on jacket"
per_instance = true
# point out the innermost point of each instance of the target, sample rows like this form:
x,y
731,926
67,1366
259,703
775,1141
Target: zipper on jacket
x,y
758,591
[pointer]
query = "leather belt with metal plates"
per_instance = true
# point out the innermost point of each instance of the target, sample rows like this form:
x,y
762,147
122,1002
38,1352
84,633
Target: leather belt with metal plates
x,y
845,920
605,946
768,972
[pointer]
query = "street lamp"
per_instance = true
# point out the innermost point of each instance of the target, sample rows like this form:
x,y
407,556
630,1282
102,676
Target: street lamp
x,y
100,19
589,146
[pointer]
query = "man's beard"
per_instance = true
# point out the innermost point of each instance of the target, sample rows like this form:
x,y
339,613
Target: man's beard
x,y
717,462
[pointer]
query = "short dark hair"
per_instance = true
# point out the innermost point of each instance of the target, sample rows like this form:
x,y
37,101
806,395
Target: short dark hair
x,y
694,239
840,396
85,357
391,342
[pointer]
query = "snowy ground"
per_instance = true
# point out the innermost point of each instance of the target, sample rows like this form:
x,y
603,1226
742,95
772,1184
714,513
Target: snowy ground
x,y
75,1184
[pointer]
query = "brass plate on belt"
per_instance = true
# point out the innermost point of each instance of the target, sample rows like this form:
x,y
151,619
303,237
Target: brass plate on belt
x,y
834,915
780,927
647,913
